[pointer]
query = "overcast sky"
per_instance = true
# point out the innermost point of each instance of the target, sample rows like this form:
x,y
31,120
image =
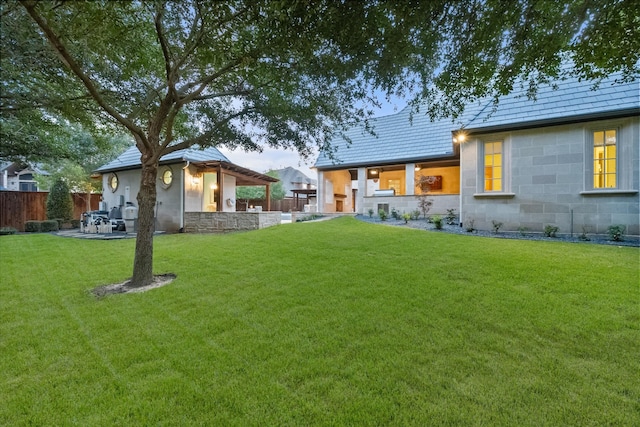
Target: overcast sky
x,y
280,159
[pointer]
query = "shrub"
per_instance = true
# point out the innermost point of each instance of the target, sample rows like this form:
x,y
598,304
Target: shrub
x,y
370,212
395,214
616,232
33,226
308,218
5,231
523,231
450,218
496,226
49,225
583,236
415,214
406,217
469,227
59,202
382,214
550,230
424,203
437,221
75,223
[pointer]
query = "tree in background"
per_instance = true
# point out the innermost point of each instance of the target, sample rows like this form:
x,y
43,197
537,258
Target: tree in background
x,y
245,193
253,73
59,201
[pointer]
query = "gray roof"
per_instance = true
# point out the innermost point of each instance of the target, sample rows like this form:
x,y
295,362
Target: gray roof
x,y
294,176
130,159
396,140
569,100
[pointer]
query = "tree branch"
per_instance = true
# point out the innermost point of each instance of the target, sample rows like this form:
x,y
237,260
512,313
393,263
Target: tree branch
x,y
165,49
206,135
69,61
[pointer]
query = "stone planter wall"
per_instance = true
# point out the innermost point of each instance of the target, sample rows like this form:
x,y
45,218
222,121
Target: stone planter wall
x,y
224,222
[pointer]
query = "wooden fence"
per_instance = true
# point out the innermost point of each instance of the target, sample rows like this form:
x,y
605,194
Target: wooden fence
x,y
18,207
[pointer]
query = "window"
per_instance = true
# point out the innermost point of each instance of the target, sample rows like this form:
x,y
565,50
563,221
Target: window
x,y
166,177
113,182
493,166
604,158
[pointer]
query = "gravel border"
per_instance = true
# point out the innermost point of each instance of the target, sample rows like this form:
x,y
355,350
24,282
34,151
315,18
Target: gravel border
x,y
421,224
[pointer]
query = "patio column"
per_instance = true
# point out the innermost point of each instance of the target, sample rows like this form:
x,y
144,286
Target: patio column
x,y
268,196
362,190
410,179
320,193
220,185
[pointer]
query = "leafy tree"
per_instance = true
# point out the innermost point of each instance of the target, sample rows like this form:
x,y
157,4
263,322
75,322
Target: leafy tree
x,y
258,192
59,201
248,73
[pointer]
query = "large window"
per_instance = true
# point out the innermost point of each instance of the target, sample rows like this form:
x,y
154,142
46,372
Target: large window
x,y
493,166
604,158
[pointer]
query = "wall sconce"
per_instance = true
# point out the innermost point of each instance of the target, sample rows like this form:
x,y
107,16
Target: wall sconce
x,y
374,171
195,180
459,137
417,168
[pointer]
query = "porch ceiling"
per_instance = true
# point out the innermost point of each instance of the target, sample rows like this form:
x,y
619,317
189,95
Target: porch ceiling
x,y
243,176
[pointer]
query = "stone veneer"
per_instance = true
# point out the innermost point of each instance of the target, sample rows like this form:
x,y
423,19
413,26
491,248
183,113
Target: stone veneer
x,y
224,222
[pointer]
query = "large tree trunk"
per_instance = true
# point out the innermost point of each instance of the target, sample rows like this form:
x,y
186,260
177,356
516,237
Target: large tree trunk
x,y
143,260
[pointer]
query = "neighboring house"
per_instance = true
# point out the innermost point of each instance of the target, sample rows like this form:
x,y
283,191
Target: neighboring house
x,y
297,185
570,158
293,179
190,182
17,176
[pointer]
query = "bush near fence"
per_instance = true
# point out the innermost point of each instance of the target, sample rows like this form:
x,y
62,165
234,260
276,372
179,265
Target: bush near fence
x,y
18,207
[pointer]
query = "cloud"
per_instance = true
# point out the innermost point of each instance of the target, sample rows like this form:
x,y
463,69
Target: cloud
x,y
270,158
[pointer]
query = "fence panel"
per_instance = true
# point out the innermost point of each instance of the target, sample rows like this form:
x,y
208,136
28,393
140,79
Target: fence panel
x,y
18,207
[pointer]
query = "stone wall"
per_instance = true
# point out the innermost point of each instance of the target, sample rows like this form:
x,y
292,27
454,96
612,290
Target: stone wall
x,y
548,180
224,222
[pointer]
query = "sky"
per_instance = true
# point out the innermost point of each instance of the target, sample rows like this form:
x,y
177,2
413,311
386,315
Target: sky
x,y
279,159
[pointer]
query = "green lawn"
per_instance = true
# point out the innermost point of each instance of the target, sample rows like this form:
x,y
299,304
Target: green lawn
x,y
330,323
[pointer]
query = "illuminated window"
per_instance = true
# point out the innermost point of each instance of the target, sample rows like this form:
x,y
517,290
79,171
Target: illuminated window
x,y
166,177
493,166
604,159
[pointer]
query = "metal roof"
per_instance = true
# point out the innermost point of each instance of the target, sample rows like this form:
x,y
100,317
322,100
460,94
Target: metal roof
x,y
396,140
560,101
130,159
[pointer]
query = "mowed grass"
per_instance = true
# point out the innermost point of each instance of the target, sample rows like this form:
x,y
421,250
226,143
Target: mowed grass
x,y
330,323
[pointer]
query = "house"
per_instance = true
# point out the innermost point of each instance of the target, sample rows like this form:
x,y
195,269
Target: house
x,y
293,179
18,176
297,185
195,191
569,158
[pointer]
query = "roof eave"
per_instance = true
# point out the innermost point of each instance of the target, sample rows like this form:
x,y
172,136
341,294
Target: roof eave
x,y
422,159
617,114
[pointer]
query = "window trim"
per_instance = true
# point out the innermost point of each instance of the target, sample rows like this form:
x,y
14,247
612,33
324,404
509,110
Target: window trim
x,y
505,192
165,185
591,142
110,180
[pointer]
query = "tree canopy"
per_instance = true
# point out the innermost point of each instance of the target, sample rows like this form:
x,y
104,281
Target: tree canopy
x,y
276,190
280,73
